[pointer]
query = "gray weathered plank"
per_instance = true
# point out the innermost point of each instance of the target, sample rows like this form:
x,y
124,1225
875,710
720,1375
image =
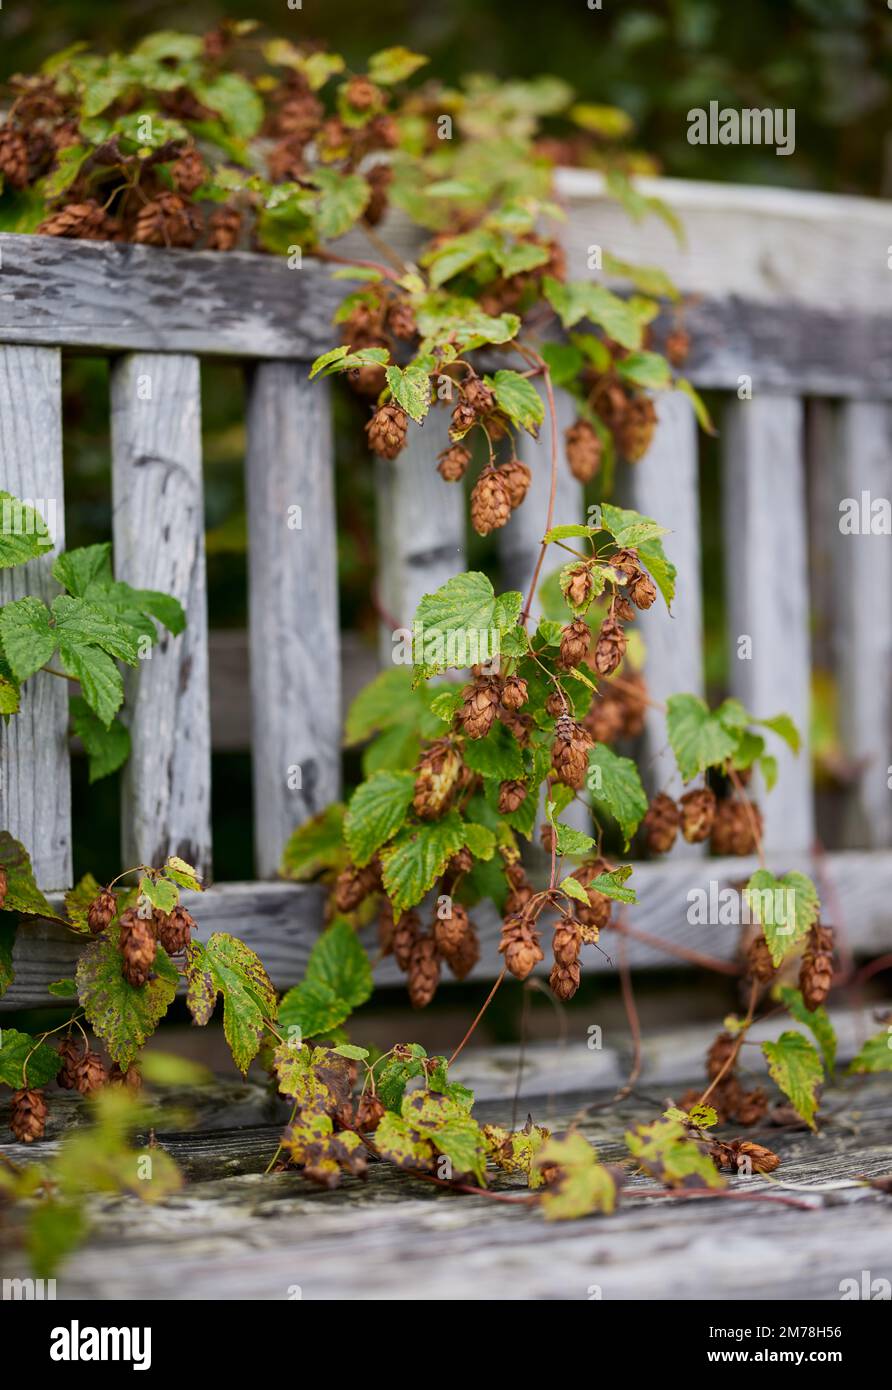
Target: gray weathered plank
x,y
242,1235
863,630
103,295
766,585
158,529
282,921
35,784
293,605
665,485
420,527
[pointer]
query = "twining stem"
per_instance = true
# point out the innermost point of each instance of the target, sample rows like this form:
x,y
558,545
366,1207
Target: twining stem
x,y
738,1043
486,1004
672,948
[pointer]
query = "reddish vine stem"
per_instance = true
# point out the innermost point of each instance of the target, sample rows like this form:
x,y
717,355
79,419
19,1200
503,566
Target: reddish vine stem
x,y
722,967
486,1004
695,1195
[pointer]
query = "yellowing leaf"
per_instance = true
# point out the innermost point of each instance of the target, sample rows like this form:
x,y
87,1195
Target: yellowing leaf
x,y
796,1067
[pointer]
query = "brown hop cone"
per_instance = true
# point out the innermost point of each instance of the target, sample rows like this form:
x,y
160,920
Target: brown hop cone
x,y
285,161
621,610
78,221
546,835
89,1074
816,970
167,221
386,927
642,590
462,962
369,1113
129,1079
300,116
27,1115
173,929
405,935
224,227
460,863
751,1107
453,463
564,980
102,910
636,429
583,450
566,943
463,417
610,647
353,885
660,824
490,502
518,898
189,172
382,132
697,814
478,710
575,641
450,930
367,381
578,585
138,948
720,1050
424,972
512,794
70,1053
604,718
632,700
4,884
379,178
401,319
436,779
626,561
387,431
677,346
362,94
759,965
13,156
736,828
517,478
520,947
569,752
740,1155
514,693
556,704
478,395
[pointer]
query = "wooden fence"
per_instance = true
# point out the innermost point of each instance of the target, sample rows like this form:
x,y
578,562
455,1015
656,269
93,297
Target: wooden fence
x,y
791,292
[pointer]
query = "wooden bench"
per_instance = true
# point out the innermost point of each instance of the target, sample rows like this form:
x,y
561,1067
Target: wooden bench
x,y
790,292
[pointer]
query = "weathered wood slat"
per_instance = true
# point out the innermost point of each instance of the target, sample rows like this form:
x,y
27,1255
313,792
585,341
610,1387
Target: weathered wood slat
x,y
420,527
104,296
35,784
282,921
767,597
158,529
520,540
863,636
665,485
293,605
234,1234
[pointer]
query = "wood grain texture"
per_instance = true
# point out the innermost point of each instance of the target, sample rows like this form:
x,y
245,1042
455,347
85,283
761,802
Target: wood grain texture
x,y
35,782
293,605
282,921
158,529
102,295
420,526
863,632
234,1234
766,586
665,485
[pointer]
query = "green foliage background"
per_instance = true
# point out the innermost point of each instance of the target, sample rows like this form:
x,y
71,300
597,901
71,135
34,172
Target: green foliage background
x,y
830,59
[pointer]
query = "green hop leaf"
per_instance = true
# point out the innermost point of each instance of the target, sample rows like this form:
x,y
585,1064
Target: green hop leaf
x,y
338,979
796,1067
122,1015
227,966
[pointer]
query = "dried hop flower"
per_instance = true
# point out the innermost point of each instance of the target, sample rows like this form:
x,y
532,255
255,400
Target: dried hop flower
x,y
451,924
610,647
564,980
174,929
387,431
520,946
27,1115
516,477
737,827
583,451
514,693
453,463
575,641
660,824
436,778
578,585
480,702
636,429
816,971
697,814
569,752
138,948
101,911
424,972
490,502
512,794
